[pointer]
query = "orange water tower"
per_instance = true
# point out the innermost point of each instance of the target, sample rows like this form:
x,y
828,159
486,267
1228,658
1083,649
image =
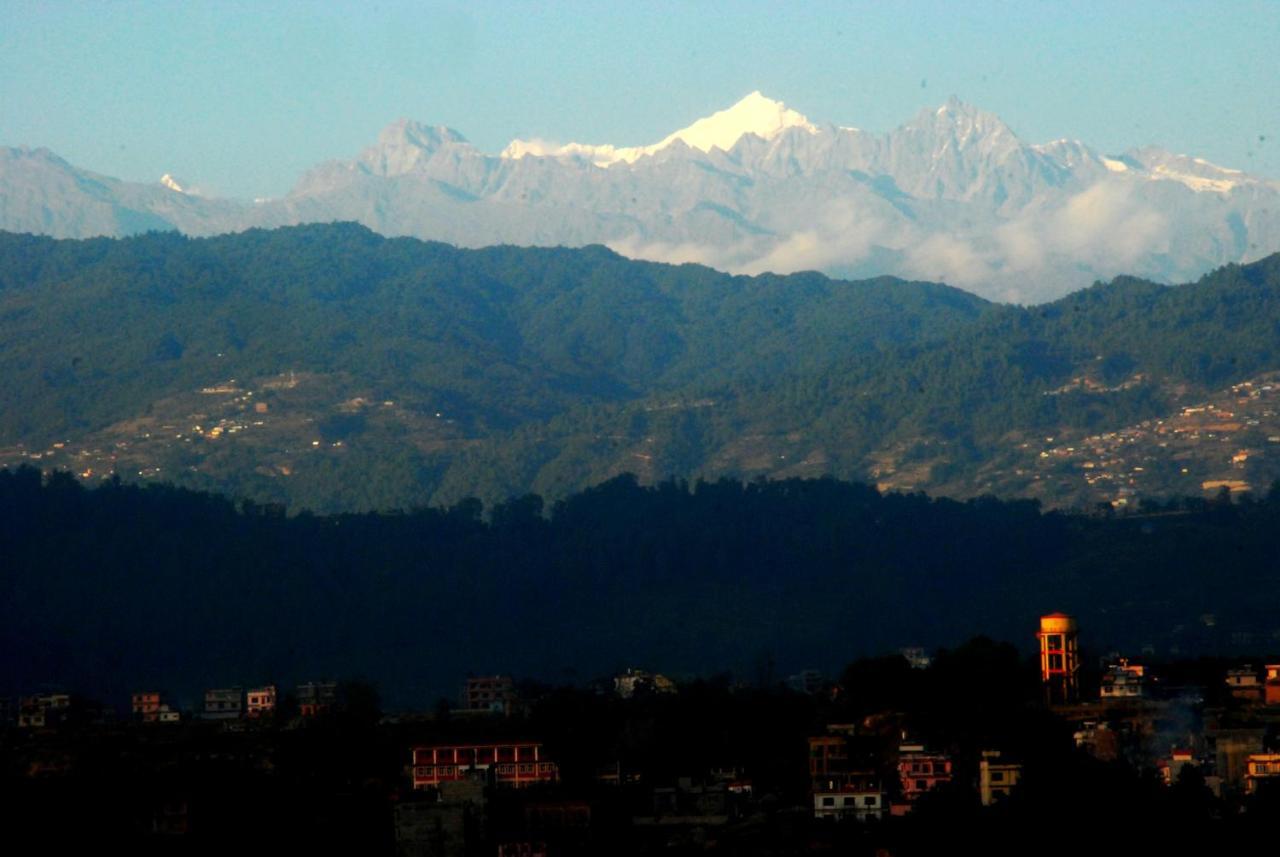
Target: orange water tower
x,y
1059,658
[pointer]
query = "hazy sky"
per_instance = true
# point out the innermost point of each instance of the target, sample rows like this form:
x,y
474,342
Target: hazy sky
x,y
240,98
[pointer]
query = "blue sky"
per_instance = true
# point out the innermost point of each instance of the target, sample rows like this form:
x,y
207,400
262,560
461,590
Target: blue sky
x,y
240,98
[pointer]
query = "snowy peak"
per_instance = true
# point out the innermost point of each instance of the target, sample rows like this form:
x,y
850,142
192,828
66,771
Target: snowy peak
x,y
1195,173
755,114
961,124
172,184
405,145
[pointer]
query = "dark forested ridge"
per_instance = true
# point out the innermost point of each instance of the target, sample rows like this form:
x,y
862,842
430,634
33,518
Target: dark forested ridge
x,y
326,367
109,589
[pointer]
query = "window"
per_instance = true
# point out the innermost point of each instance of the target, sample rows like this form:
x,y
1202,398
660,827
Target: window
x,y
870,800
1055,662
828,801
1055,641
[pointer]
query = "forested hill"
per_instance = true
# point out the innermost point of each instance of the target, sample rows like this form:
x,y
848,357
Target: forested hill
x,y
110,590
329,368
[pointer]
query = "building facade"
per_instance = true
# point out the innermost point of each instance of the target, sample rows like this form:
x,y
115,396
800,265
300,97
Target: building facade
x,y
514,765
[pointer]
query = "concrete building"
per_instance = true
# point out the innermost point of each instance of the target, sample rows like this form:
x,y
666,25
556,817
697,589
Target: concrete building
x,y
1271,687
997,778
917,657
850,802
494,694
1123,680
145,706
634,682
1232,749
450,824
809,682
1171,768
920,770
261,701
843,783
1260,768
513,765
1245,684
223,703
316,697
41,710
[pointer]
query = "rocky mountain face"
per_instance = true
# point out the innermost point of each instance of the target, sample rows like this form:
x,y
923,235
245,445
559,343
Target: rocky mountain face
x,y
952,195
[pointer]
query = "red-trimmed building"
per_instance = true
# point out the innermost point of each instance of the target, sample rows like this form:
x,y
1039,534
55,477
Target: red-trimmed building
x,y
919,770
146,706
842,787
1271,687
513,765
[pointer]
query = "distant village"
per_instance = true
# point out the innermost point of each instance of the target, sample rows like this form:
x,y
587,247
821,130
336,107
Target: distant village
x,y
478,777
1229,442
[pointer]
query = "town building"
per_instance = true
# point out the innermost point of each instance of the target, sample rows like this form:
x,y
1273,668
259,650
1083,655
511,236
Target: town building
x,y
450,824
920,770
843,780
1260,768
688,803
1059,658
639,682
1123,680
316,697
1232,748
1245,684
917,657
514,764
223,703
260,701
494,694
1171,768
850,795
41,710
1271,688
810,682
145,706
997,778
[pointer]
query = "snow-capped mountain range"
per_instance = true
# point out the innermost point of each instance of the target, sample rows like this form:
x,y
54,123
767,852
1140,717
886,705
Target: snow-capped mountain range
x,y
951,195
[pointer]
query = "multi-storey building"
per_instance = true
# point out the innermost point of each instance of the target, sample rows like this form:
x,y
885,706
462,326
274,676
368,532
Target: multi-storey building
x,y
316,697
853,795
640,682
1271,688
495,694
1259,768
997,778
41,710
1171,768
919,770
1244,684
842,783
145,706
513,764
260,701
223,703
1124,680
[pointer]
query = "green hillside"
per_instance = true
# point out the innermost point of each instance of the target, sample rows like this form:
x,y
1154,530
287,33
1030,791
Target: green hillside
x,y
328,367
